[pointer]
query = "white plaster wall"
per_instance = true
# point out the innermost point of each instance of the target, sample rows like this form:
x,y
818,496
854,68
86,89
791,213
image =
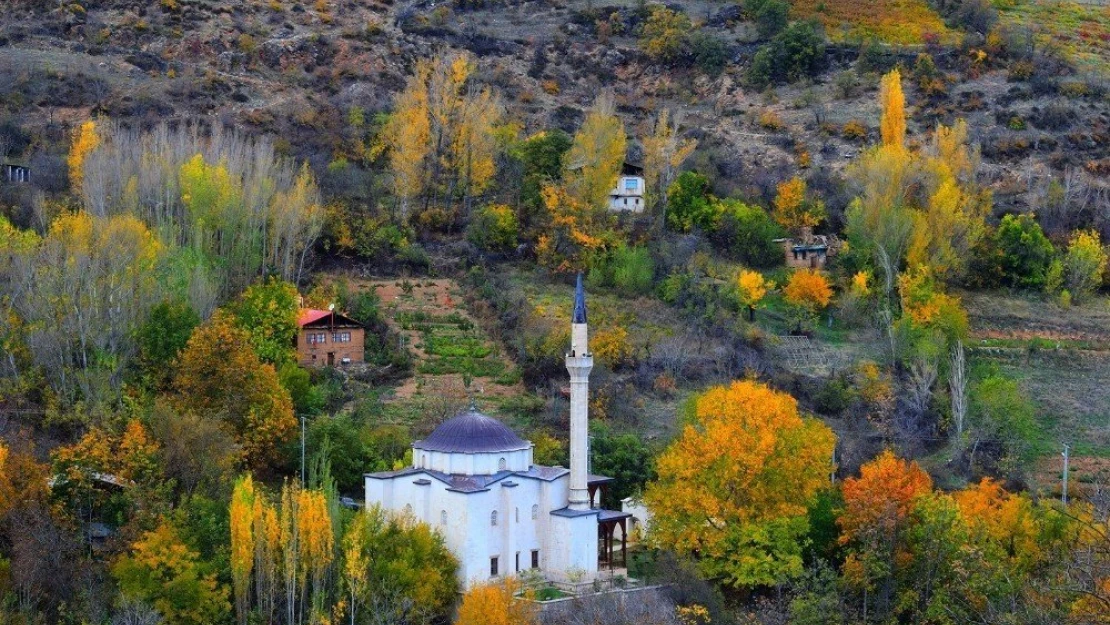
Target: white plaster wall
x,y
472,464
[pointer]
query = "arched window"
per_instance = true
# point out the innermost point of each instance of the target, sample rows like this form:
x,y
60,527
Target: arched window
x,y
424,461
535,510
493,518
501,464
443,517
408,510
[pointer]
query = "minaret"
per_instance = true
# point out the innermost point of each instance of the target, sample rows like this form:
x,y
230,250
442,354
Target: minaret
x,y
579,364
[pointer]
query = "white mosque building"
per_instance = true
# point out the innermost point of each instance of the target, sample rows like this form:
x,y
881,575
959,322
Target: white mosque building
x,y
473,479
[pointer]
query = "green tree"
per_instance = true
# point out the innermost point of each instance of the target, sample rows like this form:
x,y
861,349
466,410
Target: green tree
x,y
689,204
542,158
1001,414
794,53
1084,263
1025,252
267,312
163,571
623,457
745,232
494,228
162,337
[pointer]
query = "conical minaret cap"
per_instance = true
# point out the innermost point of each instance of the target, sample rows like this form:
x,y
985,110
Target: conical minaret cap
x,y
579,302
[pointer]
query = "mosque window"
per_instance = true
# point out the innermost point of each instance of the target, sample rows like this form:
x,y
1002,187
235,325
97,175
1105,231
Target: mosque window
x,y
517,512
493,518
493,566
408,510
443,517
501,464
535,510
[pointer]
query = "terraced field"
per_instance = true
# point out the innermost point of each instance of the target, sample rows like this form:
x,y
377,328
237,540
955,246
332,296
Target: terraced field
x,y
1080,30
892,21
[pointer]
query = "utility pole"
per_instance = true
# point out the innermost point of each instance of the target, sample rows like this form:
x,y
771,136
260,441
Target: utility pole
x,y
302,452
1064,498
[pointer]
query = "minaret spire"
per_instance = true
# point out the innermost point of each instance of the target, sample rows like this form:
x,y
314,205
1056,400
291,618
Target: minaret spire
x,y
579,364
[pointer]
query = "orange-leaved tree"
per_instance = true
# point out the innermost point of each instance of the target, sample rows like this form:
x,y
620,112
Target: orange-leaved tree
x,y
733,488
893,101
575,231
808,291
85,140
496,603
241,521
876,506
219,374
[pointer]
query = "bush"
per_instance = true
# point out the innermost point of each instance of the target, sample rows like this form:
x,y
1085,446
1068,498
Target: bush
x,y
710,53
630,269
795,53
494,228
747,234
854,131
770,16
1024,252
664,35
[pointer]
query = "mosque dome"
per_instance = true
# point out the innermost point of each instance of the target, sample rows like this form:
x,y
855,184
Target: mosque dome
x,y
472,432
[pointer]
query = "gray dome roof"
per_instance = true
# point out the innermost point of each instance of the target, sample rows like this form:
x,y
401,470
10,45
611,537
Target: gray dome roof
x,y
471,432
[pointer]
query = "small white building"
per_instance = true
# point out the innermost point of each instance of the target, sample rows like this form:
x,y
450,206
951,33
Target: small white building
x,y
473,479
628,194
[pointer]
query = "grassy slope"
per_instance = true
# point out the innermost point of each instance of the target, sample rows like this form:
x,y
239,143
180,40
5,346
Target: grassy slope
x,y
1082,32
893,21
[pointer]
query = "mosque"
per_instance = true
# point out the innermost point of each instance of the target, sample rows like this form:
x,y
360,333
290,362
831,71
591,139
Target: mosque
x,y
473,479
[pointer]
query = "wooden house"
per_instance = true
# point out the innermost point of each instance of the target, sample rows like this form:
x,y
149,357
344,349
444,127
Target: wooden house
x,y
327,338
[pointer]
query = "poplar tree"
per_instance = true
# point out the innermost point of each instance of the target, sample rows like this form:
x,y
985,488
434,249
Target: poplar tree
x,y
594,161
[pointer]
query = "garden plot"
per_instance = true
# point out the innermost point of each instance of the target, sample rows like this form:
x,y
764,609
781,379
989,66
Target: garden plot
x,y
454,358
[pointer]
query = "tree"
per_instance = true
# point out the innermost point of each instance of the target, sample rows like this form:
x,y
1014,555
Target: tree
x,y
219,375
85,140
198,452
242,544
664,34
164,572
595,158
793,210
83,291
796,52
690,205
751,288
623,457
163,335
407,136
893,103
494,228
876,507
474,146
267,311
1025,252
542,157
664,153
733,488
1084,263
1001,414
575,232
496,603
746,232
809,292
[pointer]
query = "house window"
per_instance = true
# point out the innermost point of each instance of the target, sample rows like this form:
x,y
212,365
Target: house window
x,y
535,558
493,566
493,518
443,517
630,184
317,337
535,510
501,464
341,337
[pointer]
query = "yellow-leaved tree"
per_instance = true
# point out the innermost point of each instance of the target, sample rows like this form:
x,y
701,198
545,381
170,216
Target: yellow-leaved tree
x,y
893,124
751,288
664,153
241,521
496,603
85,140
733,488
794,210
808,292
407,136
595,158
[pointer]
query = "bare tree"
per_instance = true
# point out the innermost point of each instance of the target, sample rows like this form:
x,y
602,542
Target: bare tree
x,y
957,388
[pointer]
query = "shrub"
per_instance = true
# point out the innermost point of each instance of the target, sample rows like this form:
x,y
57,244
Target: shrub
x,y
770,120
747,233
494,228
629,269
795,53
854,131
1024,252
664,35
710,53
770,16
1084,264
